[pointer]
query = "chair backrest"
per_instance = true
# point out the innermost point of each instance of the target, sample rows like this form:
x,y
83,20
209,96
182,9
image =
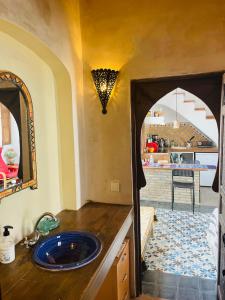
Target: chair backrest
x,y
183,173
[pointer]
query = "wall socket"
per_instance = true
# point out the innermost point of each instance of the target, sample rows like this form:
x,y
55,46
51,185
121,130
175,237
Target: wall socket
x,y
115,185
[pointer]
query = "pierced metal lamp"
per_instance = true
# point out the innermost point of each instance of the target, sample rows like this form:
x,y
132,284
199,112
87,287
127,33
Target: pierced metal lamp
x,y
104,80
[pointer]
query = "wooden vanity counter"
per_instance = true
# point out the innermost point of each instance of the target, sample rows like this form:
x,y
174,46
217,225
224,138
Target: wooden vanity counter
x,y
22,279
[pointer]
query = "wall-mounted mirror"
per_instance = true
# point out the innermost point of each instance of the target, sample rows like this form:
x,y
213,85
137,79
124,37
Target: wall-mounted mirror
x,y
17,141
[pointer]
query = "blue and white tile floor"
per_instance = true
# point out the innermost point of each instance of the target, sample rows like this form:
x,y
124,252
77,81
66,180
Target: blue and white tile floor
x,y
179,244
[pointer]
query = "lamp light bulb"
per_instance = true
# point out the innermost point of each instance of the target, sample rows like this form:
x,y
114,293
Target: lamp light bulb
x,y
103,87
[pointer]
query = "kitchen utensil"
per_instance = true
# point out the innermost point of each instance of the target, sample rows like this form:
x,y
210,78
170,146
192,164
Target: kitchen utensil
x,y
161,143
189,144
155,137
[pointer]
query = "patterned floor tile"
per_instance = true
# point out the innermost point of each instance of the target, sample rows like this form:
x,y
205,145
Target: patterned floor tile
x,y
179,244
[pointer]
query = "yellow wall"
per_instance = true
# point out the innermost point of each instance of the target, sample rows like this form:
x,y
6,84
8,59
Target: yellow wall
x,y
52,30
142,39
22,209
44,27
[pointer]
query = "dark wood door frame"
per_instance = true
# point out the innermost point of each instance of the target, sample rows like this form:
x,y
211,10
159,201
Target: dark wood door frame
x,y
144,94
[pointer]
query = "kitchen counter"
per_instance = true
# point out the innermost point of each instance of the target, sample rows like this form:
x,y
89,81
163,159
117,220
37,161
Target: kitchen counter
x,y
181,149
194,167
195,149
159,183
22,279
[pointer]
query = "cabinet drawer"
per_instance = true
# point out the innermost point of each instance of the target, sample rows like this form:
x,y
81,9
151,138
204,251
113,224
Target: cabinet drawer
x,y
123,287
122,262
122,265
116,284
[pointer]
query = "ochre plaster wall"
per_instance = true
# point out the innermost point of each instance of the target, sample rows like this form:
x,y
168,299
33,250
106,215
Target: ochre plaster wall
x,y
22,209
52,30
142,39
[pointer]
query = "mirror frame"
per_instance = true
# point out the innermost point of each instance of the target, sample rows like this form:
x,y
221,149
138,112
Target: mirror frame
x,y
7,76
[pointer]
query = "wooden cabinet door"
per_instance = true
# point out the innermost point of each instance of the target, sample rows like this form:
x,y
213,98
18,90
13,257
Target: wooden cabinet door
x,y
122,267
116,284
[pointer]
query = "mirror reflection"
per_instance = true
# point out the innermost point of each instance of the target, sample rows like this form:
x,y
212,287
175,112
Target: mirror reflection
x,y
9,149
17,143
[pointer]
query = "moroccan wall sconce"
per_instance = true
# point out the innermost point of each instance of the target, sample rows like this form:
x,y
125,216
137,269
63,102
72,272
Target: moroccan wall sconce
x,y
104,80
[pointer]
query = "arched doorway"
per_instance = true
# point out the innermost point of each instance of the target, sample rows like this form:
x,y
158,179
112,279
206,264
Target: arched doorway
x,y
144,94
179,126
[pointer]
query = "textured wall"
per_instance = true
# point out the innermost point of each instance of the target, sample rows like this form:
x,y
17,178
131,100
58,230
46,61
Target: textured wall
x,y
24,207
52,30
143,39
46,53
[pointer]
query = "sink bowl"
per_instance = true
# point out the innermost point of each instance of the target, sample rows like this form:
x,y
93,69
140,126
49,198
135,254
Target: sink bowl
x,y
67,250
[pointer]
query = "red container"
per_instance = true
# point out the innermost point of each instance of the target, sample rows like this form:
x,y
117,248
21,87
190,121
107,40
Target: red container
x,y
153,145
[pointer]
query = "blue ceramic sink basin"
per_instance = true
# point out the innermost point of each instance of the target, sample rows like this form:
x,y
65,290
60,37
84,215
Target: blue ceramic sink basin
x,y
67,250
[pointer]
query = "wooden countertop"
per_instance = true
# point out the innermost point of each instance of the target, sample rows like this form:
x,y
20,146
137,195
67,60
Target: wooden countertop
x,y
195,149
156,166
22,279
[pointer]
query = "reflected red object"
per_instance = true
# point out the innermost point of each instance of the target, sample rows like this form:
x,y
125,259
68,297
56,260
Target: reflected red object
x,y
153,145
9,171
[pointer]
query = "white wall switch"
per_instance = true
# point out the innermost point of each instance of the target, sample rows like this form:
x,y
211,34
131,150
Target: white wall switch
x,y
115,186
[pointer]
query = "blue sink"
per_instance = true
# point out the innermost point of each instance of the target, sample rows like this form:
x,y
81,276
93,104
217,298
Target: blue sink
x,y
67,250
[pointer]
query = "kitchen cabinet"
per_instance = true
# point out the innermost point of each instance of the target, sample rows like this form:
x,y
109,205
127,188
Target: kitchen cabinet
x,y
207,177
116,284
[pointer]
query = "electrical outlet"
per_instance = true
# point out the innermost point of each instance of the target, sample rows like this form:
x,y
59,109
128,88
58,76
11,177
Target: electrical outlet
x,y
115,186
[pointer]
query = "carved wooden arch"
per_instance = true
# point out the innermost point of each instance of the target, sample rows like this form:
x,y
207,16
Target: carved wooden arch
x,y
7,76
144,94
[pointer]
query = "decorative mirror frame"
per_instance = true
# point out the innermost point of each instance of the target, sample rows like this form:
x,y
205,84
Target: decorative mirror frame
x,y
6,76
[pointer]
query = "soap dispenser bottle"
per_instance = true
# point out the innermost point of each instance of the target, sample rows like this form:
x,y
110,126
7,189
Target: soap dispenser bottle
x,y
7,246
